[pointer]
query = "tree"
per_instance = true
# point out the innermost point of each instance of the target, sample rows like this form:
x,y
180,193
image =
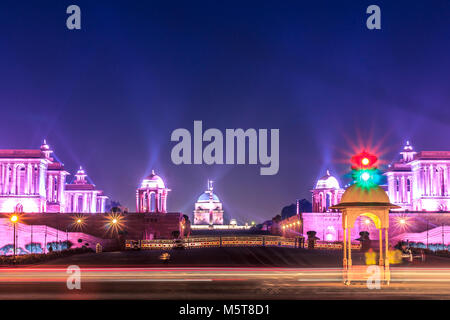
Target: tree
x,y
275,228
34,247
187,226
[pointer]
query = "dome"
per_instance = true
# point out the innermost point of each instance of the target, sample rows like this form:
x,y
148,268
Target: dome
x,y
357,194
327,182
153,181
205,197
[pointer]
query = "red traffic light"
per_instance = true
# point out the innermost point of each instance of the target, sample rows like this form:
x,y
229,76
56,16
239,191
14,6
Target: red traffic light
x,y
364,160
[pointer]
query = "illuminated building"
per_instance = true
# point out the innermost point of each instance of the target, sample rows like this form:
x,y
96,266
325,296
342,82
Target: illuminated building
x,y
419,181
82,197
33,181
151,196
327,193
208,208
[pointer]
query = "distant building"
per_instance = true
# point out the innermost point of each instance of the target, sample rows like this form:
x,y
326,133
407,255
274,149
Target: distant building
x,y
151,196
151,203
327,193
32,181
208,208
82,197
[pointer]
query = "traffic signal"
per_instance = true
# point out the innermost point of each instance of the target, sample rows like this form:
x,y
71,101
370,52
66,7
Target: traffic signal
x,y
364,172
364,160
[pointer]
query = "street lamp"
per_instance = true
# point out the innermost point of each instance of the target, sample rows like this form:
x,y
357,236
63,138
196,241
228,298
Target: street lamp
x,y
14,219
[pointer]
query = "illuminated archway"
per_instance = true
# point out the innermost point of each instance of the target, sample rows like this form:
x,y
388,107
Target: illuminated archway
x,y
373,204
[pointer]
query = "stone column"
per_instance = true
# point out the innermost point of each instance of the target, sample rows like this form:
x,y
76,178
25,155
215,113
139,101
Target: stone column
x,y
36,179
137,201
73,209
446,180
432,181
33,179
2,178
7,176
62,182
49,187
25,180
164,202
381,260
14,179
423,178
29,178
85,204
403,189
386,239
93,202
157,200
344,261
349,247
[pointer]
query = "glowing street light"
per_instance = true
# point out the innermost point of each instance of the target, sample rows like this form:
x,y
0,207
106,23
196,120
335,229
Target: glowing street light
x,y
115,223
367,221
14,219
402,221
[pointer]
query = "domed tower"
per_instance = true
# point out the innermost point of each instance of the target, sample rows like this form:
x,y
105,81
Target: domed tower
x,y
208,208
152,195
82,196
45,148
327,193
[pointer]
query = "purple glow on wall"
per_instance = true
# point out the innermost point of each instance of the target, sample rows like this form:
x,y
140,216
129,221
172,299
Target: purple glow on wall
x,y
35,238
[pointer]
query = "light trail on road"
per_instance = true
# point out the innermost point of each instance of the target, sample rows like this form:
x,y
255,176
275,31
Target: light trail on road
x,y
10,275
219,283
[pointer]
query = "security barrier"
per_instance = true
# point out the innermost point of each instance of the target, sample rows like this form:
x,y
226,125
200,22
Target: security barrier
x,y
232,241
332,245
242,241
222,241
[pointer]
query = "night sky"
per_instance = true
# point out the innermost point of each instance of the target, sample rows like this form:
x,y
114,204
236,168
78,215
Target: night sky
x,y
108,96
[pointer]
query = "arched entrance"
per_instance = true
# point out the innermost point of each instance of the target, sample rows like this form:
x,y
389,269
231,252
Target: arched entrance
x,y
372,203
380,218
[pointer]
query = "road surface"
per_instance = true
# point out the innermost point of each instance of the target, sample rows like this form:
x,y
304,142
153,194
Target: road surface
x,y
237,273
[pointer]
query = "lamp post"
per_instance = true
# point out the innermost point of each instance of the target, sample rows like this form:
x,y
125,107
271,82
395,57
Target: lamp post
x,y
14,220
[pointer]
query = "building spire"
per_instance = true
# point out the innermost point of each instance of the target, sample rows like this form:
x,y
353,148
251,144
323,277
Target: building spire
x,y
210,185
408,152
45,148
81,176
